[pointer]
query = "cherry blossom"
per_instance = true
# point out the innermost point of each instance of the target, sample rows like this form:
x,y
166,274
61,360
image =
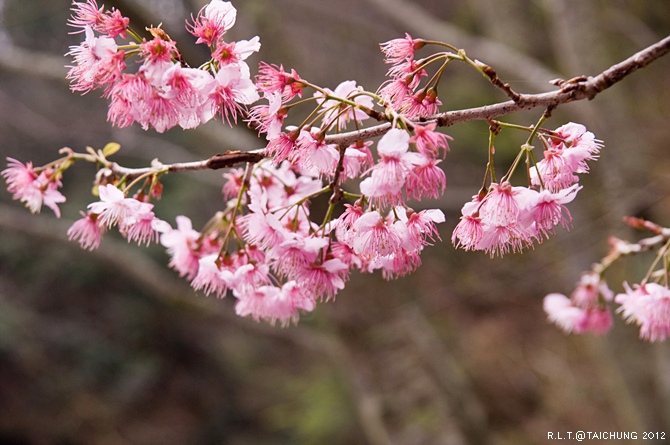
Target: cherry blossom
x,y
87,231
31,188
648,305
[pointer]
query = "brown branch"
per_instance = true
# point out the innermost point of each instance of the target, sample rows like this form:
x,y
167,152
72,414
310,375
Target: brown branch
x,y
218,161
576,89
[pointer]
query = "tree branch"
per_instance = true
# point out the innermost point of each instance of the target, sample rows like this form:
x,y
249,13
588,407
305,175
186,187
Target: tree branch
x,y
218,161
572,90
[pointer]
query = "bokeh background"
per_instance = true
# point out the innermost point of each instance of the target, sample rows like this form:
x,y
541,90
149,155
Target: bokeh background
x,y
111,347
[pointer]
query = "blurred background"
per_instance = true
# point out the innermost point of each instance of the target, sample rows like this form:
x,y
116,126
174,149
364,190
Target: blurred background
x,y
111,347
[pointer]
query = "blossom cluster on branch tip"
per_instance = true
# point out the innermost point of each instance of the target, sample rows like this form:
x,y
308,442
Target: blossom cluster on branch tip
x,y
647,304
266,245
508,218
161,91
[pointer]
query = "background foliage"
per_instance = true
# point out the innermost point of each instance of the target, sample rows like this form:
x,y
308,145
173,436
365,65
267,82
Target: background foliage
x,y
110,347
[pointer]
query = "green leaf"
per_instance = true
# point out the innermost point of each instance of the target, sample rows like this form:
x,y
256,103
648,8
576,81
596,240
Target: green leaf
x,y
111,148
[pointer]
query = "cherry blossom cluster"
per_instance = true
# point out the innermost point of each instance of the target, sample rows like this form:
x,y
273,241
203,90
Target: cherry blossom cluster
x,y
161,90
506,218
324,197
647,304
34,187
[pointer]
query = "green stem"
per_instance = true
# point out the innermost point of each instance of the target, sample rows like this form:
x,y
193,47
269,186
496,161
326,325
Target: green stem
x,y
238,206
662,252
134,35
525,148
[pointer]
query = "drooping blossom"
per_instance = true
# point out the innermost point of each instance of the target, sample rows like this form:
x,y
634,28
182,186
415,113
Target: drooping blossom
x,y
399,50
647,305
232,90
269,119
421,226
144,227
98,64
314,155
183,246
509,219
373,236
87,14
430,142
388,176
296,253
273,79
469,231
426,179
571,318
213,276
114,208
272,303
565,157
32,188
87,231
324,279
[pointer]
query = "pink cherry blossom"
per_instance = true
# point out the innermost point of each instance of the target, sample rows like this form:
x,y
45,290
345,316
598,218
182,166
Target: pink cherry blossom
x,y
250,276
212,277
590,287
399,264
127,96
421,104
87,231
212,22
114,208
373,237
426,179
313,154
421,226
183,246
324,279
389,174
565,157
269,118
262,229
546,210
87,14
186,88
273,79
281,147
563,313
235,52
274,304
430,142
648,305
158,50
296,254
98,64
399,50
500,206
144,227
33,189
232,90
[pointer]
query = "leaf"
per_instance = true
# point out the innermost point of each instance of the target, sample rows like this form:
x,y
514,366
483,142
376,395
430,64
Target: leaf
x,y
111,148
